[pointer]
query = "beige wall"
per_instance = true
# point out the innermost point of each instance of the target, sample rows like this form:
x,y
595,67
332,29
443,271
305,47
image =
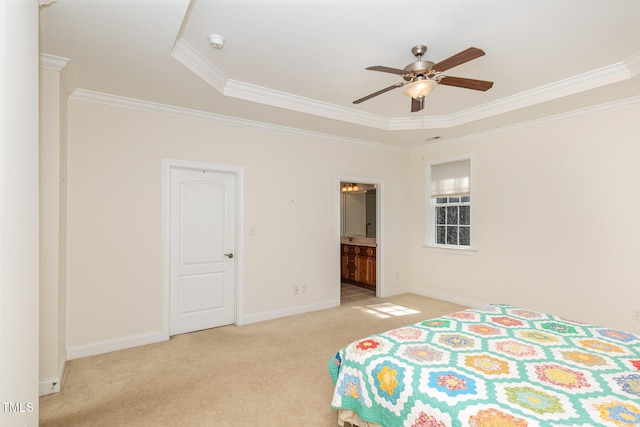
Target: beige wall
x,y
553,206
556,209
290,196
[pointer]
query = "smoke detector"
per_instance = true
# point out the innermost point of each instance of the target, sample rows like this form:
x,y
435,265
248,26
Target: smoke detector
x,y
216,41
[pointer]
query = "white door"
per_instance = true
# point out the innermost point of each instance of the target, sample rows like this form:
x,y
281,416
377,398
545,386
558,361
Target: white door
x,y
202,284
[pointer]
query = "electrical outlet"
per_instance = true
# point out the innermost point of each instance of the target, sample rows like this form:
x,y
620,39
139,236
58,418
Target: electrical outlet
x,y
635,314
304,289
296,290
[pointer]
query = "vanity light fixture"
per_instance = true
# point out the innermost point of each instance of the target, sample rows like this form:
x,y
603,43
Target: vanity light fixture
x,y
350,187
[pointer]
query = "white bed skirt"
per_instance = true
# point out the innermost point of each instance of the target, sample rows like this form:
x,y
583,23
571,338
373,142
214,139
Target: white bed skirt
x,y
346,415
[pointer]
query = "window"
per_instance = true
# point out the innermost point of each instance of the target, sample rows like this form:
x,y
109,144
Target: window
x,y
450,205
453,221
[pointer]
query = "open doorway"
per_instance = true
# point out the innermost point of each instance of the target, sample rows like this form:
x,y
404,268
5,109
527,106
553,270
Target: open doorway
x,y
360,239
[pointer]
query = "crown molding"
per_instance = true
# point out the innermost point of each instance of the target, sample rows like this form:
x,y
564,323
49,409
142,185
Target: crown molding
x,y
52,62
288,101
198,64
607,107
591,80
136,104
414,123
45,3
61,65
633,63
195,62
118,101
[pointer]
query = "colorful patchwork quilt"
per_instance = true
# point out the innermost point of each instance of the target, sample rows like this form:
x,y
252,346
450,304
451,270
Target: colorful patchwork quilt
x,y
491,366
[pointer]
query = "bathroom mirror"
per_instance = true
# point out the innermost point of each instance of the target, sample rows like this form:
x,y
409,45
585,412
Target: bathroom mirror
x,y
358,210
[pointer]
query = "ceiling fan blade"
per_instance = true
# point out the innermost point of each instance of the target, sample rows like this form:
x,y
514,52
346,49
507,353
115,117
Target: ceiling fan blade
x,y
380,92
465,83
417,104
458,58
387,70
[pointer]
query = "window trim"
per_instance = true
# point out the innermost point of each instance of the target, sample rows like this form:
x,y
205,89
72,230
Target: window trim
x,y
430,237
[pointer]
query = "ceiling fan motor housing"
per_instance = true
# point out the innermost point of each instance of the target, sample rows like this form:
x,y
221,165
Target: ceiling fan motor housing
x,y
417,68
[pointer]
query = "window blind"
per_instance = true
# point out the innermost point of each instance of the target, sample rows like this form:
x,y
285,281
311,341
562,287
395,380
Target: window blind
x,y
451,178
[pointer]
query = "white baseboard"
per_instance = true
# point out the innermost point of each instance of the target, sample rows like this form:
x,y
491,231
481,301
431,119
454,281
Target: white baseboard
x,y
155,337
270,315
393,292
261,317
113,345
449,298
52,385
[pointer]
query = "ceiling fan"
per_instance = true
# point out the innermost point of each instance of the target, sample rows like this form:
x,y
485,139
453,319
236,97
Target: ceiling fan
x,y
421,77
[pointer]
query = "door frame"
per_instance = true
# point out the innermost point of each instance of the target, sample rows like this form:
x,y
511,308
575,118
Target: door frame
x,y
167,166
380,291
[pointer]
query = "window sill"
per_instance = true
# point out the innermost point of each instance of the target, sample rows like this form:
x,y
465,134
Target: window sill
x,y
456,251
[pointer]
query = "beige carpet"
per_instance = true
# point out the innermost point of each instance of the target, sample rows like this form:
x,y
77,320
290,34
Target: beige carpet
x,y
271,373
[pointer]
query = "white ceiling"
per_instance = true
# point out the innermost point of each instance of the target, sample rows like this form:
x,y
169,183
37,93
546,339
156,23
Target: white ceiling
x,y
301,63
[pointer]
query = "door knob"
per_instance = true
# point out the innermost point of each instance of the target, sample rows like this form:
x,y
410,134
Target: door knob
x,y
229,255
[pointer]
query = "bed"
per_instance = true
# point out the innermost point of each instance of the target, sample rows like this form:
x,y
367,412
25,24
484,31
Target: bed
x,y
491,366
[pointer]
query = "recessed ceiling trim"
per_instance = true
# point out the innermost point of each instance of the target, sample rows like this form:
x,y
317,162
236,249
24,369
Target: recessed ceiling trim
x,y
118,101
633,63
591,80
413,123
275,98
608,107
198,64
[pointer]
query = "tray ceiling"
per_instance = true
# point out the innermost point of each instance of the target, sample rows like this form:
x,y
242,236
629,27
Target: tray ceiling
x,y
300,64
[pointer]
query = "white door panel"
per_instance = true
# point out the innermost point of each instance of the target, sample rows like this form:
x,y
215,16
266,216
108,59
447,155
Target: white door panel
x,y
201,292
203,217
202,243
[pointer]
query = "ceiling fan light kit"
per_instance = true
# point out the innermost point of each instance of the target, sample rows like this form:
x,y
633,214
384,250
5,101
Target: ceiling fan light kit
x,y
421,77
419,88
